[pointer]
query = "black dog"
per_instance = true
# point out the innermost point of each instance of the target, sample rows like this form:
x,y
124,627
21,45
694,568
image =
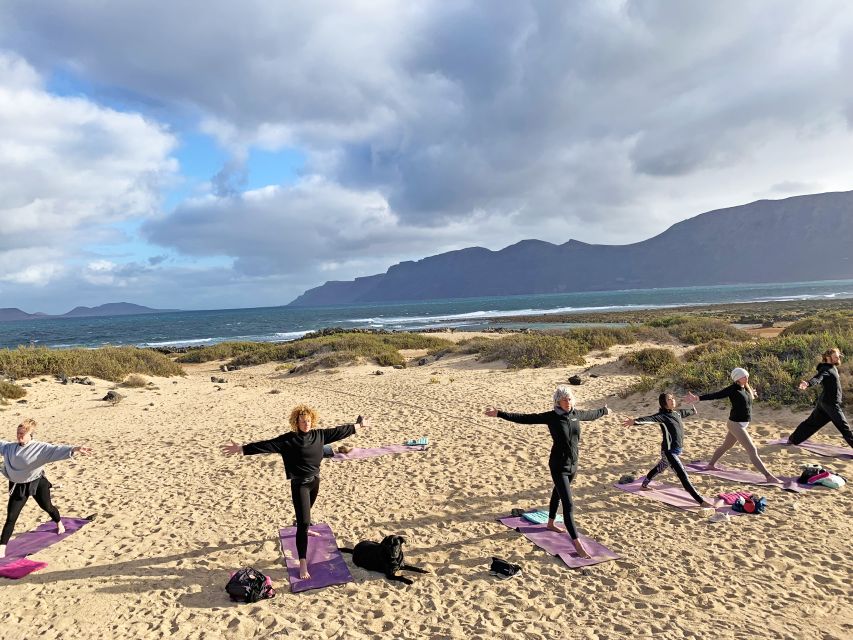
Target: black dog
x,y
385,557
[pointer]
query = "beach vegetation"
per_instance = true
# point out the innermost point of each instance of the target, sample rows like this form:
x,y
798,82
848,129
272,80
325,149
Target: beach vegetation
x,y
696,330
533,350
134,381
11,391
653,360
107,363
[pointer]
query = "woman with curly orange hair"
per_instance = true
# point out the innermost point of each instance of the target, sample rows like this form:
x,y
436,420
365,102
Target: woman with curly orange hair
x,y
302,452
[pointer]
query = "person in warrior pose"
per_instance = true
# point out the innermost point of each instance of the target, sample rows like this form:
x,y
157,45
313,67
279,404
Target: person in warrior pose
x,y
302,452
672,445
563,423
741,395
23,465
828,406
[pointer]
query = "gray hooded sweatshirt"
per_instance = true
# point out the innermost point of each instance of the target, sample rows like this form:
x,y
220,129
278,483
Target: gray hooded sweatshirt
x,y
24,464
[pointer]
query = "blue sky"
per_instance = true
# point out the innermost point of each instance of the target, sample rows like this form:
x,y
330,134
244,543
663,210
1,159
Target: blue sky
x,y
275,146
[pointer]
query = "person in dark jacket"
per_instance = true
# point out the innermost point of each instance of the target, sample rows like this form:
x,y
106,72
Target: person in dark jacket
x,y
672,445
741,395
302,452
828,406
563,423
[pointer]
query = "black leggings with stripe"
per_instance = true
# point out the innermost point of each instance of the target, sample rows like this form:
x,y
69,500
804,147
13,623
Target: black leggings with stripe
x,y
563,492
670,459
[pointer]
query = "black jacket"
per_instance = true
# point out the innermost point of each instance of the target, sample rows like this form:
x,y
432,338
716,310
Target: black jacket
x,y
302,453
565,431
827,375
670,425
741,400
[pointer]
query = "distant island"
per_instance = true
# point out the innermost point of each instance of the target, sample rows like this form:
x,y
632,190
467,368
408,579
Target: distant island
x,y
798,239
109,309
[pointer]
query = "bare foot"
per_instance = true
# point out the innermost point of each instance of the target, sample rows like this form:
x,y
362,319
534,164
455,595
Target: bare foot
x,y
314,534
2,550
580,549
711,467
645,487
303,569
773,479
60,528
551,526
707,505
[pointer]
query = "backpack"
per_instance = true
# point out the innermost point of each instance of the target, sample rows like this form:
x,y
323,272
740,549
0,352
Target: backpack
x,y
809,472
750,504
385,557
249,585
503,569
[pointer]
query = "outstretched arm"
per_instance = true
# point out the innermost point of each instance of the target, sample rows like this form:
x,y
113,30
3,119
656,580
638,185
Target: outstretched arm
x,y
594,414
805,384
253,448
520,418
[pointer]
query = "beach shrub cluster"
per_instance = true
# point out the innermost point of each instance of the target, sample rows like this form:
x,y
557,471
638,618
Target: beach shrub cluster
x,y
321,351
11,391
108,363
839,323
696,330
652,360
530,351
776,365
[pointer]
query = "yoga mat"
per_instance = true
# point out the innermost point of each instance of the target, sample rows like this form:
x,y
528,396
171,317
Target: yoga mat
x,y
359,454
16,564
673,496
559,544
325,562
750,477
828,450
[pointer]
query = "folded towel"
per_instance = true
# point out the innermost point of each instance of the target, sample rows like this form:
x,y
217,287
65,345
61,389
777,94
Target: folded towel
x,y
419,442
731,498
539,517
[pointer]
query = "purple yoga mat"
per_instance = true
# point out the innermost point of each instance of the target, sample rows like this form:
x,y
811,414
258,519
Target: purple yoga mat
x,y
325,562
559,544
673,496
16,564
750,477
359,454
828,450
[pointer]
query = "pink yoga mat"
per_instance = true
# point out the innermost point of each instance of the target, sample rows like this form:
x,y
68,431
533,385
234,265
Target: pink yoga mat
x,y
673,496
559,544
325,562
358,454
750,477
828,450
16,564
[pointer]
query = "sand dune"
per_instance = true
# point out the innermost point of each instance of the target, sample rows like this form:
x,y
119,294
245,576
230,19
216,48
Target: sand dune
x,y
174,516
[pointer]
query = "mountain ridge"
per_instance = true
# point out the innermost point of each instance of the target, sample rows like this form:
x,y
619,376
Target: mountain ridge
x,y
11,314
796,239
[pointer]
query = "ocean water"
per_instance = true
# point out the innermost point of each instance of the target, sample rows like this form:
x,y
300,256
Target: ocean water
x,y
272,324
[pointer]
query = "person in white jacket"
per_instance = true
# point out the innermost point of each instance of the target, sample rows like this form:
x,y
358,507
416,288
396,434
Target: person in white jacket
x,y
23,465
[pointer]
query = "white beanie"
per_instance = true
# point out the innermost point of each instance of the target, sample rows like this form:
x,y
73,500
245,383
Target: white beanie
x,y
739,373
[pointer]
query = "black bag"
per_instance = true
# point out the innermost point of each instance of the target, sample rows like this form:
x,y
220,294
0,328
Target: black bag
x,y
503,569
809,471
385,557
249,585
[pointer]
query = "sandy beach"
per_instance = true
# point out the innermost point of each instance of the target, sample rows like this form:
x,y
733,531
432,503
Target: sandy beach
x,y
173,516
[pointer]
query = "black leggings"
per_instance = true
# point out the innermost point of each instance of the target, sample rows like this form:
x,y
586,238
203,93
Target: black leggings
x,y
670,459
563,492
817,419
303,496
18,498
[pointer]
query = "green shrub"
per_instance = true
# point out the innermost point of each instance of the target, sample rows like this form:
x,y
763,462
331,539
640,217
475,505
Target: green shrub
x,y
652,360
695,330
11,391
837,323
221,351
533,350
108,363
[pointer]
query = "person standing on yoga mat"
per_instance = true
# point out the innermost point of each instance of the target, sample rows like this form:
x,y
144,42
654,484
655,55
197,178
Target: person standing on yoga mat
x,y
302,452
672,445
23,466
828,406
563,423
741,395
